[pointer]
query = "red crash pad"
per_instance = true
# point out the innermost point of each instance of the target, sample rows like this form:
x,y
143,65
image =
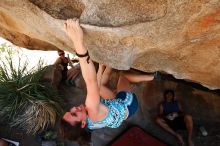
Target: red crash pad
x,y
137,137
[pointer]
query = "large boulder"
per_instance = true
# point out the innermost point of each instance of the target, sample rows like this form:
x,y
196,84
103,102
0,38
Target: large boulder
x,y
181,38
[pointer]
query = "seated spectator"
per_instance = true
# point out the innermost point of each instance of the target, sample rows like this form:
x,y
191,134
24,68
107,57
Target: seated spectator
x,y
171,117
68,75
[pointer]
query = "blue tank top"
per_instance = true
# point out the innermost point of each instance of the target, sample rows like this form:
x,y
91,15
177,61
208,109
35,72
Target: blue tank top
x,y
170,107
117,110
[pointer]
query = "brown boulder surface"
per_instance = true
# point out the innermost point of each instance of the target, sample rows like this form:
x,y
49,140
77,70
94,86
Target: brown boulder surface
x,y
181,38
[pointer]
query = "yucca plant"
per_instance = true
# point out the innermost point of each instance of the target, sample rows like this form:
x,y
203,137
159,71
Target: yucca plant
x,y
25,102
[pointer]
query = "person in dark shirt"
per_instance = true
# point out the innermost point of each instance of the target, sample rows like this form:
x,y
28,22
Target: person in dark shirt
x,y
68,75
171,117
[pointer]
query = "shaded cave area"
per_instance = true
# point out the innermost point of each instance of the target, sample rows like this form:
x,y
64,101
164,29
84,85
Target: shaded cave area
x,y
203,104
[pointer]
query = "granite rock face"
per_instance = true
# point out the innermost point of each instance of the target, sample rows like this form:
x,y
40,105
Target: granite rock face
x,y
181,38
